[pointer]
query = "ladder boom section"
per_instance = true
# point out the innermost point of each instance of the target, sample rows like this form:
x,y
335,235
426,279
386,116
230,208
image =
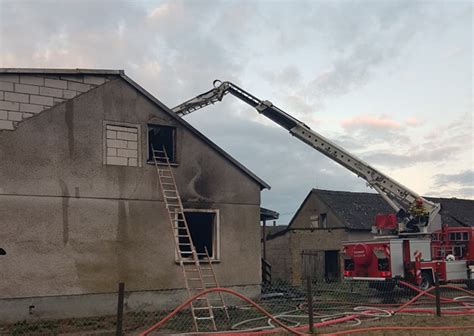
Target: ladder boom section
x,y
397,195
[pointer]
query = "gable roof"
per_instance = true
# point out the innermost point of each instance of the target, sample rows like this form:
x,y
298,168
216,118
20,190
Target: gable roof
x,y
357,210
121,74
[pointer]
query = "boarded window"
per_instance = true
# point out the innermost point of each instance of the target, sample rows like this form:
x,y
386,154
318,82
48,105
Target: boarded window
x,y
314,221
121,145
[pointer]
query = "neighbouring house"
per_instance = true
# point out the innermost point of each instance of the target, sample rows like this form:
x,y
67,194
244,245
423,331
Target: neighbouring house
x,y
311,243
81,209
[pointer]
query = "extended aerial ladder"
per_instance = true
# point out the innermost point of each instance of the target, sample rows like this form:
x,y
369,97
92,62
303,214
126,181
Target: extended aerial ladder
x,y
399,197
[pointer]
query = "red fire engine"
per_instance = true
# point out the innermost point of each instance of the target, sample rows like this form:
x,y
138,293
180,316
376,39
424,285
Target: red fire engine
x,y
402,246
449,252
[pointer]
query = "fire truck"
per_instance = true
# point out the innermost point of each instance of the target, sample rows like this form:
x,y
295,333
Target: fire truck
x,y
410,244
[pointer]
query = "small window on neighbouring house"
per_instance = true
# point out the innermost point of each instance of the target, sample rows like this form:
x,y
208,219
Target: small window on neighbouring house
x,y
203,230
459,251
162,137
323,220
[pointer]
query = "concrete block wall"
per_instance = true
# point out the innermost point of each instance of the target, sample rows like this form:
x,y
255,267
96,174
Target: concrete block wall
x,y
121,145
23,95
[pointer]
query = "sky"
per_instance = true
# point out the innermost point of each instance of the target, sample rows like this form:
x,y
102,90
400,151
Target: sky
x,y
390,81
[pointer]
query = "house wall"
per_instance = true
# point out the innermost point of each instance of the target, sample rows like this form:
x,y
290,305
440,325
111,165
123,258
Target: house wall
x,y
74,226
279,256
285,251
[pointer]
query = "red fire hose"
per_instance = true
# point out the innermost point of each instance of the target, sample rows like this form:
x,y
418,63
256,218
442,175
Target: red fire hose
x,y
296,330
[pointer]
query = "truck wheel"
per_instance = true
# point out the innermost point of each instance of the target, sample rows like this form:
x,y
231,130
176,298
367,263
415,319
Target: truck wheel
x,y
426,281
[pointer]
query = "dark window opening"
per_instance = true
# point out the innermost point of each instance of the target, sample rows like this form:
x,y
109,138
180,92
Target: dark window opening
x,y
160,137
331,265
202,230
323,219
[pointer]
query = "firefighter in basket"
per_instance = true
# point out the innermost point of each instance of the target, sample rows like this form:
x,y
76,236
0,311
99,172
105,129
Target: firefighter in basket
x,y
419,215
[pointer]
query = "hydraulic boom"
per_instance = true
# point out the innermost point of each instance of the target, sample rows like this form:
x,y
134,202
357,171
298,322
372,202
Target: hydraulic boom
x,y
400,198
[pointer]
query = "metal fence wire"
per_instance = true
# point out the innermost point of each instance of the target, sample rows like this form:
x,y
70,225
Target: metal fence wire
x,y
333,305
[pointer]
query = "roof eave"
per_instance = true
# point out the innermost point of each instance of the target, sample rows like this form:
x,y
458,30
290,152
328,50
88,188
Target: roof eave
x,y
60,71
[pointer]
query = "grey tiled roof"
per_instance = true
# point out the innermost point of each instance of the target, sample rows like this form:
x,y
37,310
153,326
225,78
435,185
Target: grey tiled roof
x,y
358,210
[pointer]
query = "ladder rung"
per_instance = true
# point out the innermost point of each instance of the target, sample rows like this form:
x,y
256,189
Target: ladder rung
x,y
205,318
194,279
202,308
206,268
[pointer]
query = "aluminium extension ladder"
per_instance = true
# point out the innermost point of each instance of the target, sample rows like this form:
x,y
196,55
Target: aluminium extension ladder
x,y
197,277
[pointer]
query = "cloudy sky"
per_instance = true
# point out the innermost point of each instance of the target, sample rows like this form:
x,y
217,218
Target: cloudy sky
x,y
391,81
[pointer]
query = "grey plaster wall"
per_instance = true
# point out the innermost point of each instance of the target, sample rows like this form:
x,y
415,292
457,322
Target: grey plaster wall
x,y
72,225
89,305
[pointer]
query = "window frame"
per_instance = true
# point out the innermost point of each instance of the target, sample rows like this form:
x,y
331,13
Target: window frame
x,y
216,244
150,160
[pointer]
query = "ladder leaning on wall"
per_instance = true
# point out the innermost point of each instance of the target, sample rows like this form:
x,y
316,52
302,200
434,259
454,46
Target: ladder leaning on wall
x,y
197,267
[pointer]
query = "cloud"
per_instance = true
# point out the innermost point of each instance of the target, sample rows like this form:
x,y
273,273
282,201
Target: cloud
x,y
412,121
465,178
365,121
288,76
408,158
291,167
459,192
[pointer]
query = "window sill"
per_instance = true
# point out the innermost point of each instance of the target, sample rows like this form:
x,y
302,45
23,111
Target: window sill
x,y
172,164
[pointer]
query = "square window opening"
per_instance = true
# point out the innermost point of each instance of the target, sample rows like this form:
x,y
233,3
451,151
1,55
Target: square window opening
x,y
159,138
203,230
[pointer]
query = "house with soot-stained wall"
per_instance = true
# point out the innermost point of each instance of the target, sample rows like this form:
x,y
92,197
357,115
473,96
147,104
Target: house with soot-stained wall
x,y
311,243
80,206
